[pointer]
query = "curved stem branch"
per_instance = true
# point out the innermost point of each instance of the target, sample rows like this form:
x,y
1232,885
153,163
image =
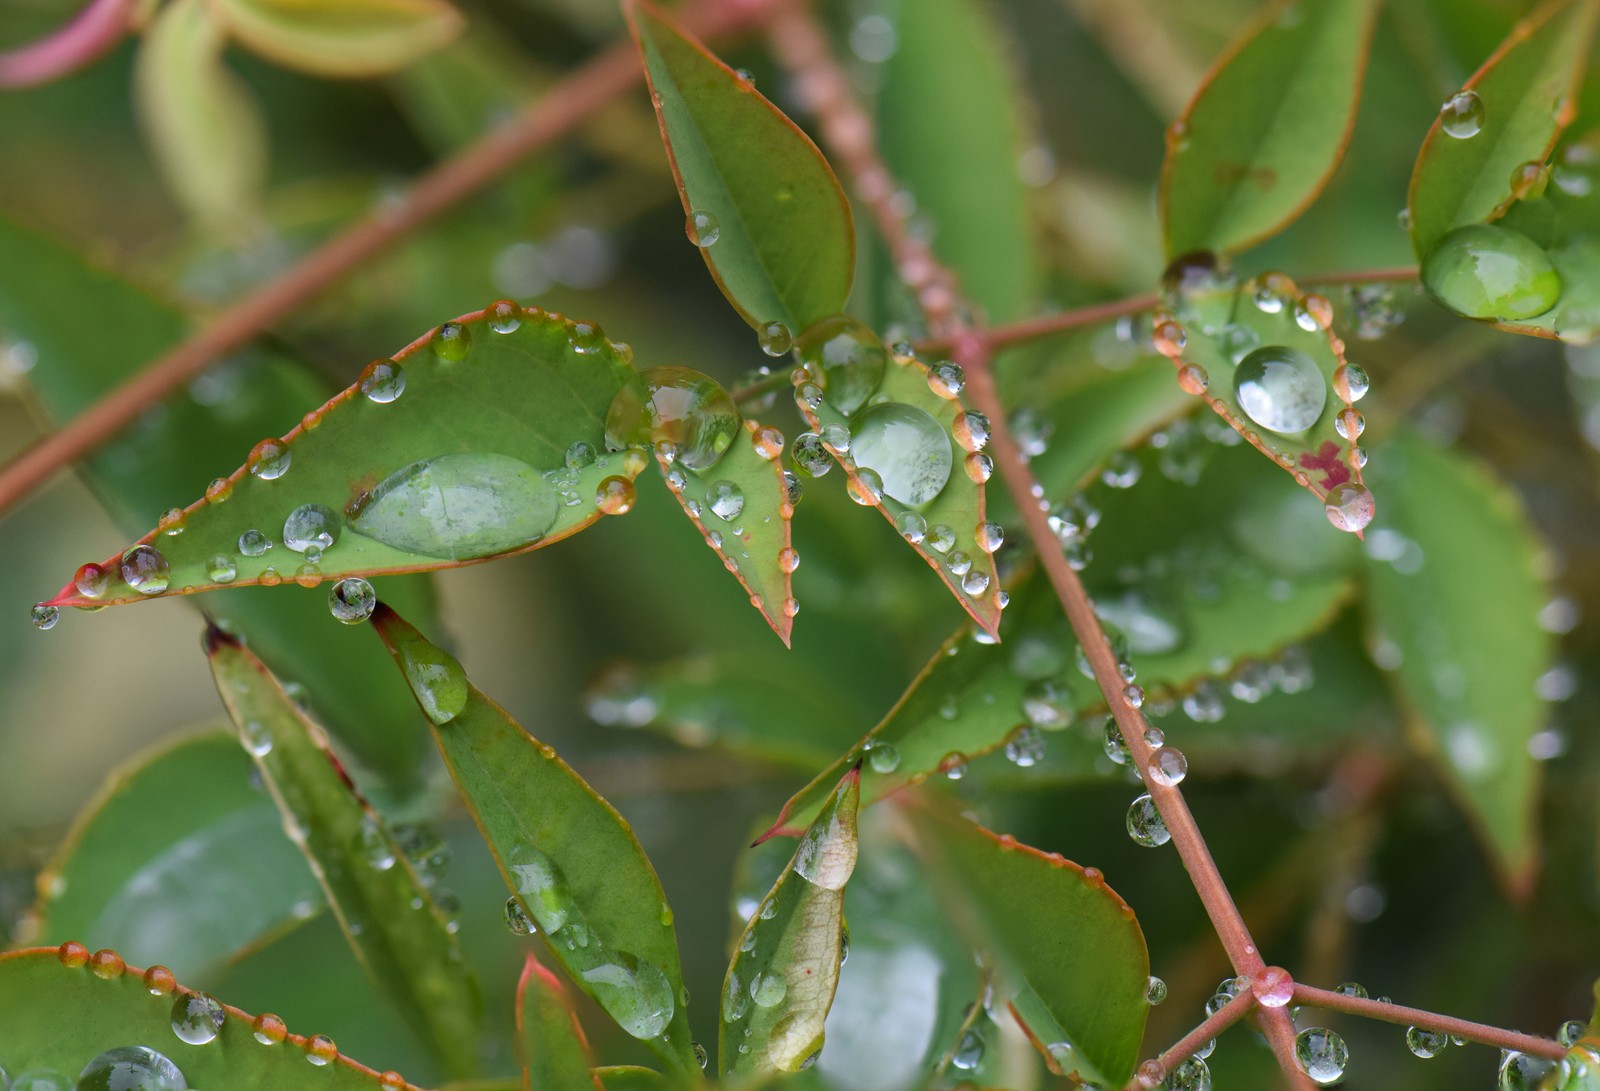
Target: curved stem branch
x,y
1153,1071
1416,1017
93,32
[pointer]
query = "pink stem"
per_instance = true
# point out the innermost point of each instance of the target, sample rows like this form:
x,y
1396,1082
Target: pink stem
x,y
98,27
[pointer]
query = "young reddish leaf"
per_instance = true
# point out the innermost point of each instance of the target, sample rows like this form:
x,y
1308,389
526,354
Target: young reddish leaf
x,y
555,1054
1465,623
1056,931
571,861
741,505
1507,117
397,932
786,967
470,443
917,456
169,884
109,1005
763,205
1267,129
349,38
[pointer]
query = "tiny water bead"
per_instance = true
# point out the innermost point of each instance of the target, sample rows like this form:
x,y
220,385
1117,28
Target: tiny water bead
x,y
702,228
836,438
810,455
1489,271
145,569
311,527
768,442
1273,987
788,560
1350,507
91,581
979,467
775,338
1145,825
989,536
882,757
1192,379
132,1068
726,500
269,1030
1168,767
106,964
1461,116
383,381
1350,382
677,405
1280,389
912,526
197,1018
72,955
585,338
159,981
614,496
172,522
352,600
845,357
503,316
321,1050
906,448
44,617
1426,1043
452,342
972,430
1322,1055
947,379
253,543
270,459
865,487
1352,988
1155,991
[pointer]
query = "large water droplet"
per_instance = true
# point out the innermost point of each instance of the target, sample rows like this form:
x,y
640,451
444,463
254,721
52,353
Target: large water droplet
x,y
1522,1071
542,886
1461,116
1145,825
1350,506
311,527
908,450
459,506
435,678
768,989
144,569
270,459
1489,271
132,1068
726,500
1426,1043
846,356
1322,1054
827,855
197,1018
1280,389
635,993
383,381
674,405
702,228
352,600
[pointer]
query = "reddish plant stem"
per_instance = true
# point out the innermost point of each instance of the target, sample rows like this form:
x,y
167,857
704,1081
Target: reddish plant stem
x,y
1416,1017
91,33
1153,1071
561,110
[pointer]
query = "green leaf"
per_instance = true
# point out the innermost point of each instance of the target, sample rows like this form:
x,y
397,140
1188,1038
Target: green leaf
x,y
396,931
40,994
1464,624
204,127
1526,94
627,1077
953,143
1268,127
44,291
555,1054
409,470
1063,940
168,884
340,37
567,855
784,248
741,505
783,976
956,515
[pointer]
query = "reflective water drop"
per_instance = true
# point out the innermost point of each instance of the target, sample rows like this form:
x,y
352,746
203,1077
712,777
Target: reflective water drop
x,y
517,919
1025,747
172,522
132,1068
1192,379
222,569
1273,987
458,506
1522,1071
979,467
726,500
44,617
1349,506
311,526
768,989
968,1053
768,442
1280,389
826,856
845,357
159,981
585,338
1489,271
865,487
1150,624
810,455
1352,988
788,560
635,993
1426,1043
144,569
436,679
836,438
580,455
1145,825
321,1050
1570,1031
270,459
912,526
91,581
1115,746
1322,1055
676,405
253,543
972,430
776,338
702,228
1155,991
959,563
503,316
989,536
882,757
543,888
940,538
269,1030
1461,116
906,448
947,379
1192,1074
1350,382
1047,704
352,600
1122,470
383,381
975,582
614,496
197,1018
1168,766
452,342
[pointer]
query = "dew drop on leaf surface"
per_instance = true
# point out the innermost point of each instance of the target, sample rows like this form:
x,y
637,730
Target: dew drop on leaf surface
x,y
847,358
1489,271
675,405
1280,389
908,450
131,1068
459,506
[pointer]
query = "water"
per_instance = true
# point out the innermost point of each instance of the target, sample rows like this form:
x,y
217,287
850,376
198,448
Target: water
x,y
1350,507
132,1068
459,506
675,405
635,993
452,342
1322,1054
436,679
311,526
1145,825
845,357
1426,1043
1461,116
908,450
145,569
197,1018
810,455
726,500
1489,271
1280,389
702,228
270,459
352,600
383,381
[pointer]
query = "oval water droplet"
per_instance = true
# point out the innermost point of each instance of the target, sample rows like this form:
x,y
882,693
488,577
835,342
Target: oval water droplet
x,y
197,1018
132,1068
1461,116
1168,767
908,450
1426,1043
809,455
882,757
311,526
436,679
1280,389
768,442
458,506
726,500
543,888
702,228
383,381
1322,1055
91,581
269,1030
452,342
222,569
768,988
145,569
253,543
776,338
635,993
845,357
615,496
504,316
1489,271
675,405
1145,825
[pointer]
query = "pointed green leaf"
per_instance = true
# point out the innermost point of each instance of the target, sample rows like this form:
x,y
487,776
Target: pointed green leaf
x,y
774,227
917,438
396,931
1268,127
555,1054
340,37
1512,111
567,855
1056,931
953,143
168,884
470,443
783,976
204,127
44,291
1464,622
741,505
43,990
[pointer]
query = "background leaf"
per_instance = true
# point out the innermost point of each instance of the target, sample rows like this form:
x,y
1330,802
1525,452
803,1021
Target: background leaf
x,y
340,37
554,1053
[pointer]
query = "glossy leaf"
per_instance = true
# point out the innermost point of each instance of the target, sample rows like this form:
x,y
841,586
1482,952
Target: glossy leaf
x,y
414,474
1057,932
1526,95
340,37
168,884
567,855
784,239
956,514
741,505
783,976
40,994
1268,127
1464,625
397,932
44,290
204,127
555,1054
953,143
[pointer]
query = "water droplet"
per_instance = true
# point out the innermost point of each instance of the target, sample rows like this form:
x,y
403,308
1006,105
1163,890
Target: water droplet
x,y
726,500
586,338
701,1057
1025,747
1047,704
458,506
543,888
865,487
1352,988
768,442
72,955
953,765
1191,1074
197,1018
1122,470
383,381
975,582
1168,767
1489,271
1522,1071
311,526
906,448
636,994
44,617
1280,389
972,430
253,543
1145,825
947,379
768,989
614,496
131,1068
788,559
144,569
1570,1031
41,1079
159,981
775,338
1349,506
436,679
269,1030
845,357
702,228
1133,695
91,581
504,316
1461,116
1155,991
1322,1054
1192,379
793,491
882,757
321,1051
452,342
517,919
958,563
979,467
1350,382
675,405
989,536
1426,1043
172,522
810,455
1273,987
968,1053
270,459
